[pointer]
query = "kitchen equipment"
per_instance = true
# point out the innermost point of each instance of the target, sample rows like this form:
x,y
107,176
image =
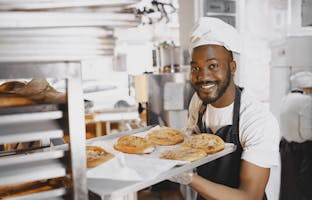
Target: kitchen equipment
x,y
168,57
167,96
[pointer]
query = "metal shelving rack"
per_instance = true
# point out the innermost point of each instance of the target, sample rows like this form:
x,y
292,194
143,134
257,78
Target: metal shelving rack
x,y
48,39
53,161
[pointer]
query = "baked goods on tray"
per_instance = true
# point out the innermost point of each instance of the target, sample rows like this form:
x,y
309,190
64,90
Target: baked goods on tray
x,y
165,136
10,101
96,156
21,189
11,86
183,153
210,143
37,90
134,145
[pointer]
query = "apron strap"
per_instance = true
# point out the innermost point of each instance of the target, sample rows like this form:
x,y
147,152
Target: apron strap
x,y
235,123
200,124
236,110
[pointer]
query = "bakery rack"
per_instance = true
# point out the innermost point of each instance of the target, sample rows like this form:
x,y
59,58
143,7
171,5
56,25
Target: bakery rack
x,y
47,123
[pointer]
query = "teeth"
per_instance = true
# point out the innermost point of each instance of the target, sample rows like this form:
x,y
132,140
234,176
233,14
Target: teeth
x,y
207,86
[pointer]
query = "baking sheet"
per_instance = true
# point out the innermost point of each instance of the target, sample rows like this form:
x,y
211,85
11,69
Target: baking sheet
x,y
30,157
108,170
30,108
132,167
109,188
54,194
32,171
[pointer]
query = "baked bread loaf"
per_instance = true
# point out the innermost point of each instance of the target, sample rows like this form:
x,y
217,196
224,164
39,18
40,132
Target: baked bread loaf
x,y
134,145
210,143
21,189
37,90
10,101
183,153
165,136
40,91
96,156
11,86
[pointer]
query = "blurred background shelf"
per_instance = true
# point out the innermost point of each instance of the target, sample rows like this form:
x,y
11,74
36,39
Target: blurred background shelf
x,y
33,171
44,125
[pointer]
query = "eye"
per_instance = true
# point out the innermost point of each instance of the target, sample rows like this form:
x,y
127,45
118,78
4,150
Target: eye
x,y
212,66
194,68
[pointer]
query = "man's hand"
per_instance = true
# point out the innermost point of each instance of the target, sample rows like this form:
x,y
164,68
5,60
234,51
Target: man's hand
x,y
184,178
253,180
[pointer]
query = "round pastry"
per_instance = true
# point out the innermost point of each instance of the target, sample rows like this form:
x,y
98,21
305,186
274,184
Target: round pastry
x,y
210,143
165,136
96,156
183,153
134,145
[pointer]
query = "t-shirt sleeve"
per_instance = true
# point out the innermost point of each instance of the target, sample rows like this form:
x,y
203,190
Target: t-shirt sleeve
x,y
261,136
289,117
296,117
305,124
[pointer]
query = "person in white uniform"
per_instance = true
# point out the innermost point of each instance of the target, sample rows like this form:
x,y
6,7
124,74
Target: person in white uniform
x,y
296,144
221,107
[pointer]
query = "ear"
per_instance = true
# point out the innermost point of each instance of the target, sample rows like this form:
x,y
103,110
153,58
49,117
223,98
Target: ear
x,y
233,67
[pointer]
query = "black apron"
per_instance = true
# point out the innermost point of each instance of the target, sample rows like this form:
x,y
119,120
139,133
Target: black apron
x,y
225,170
296,172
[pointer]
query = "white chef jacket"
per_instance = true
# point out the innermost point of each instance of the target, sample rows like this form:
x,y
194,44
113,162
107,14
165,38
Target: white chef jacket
x,y
296,117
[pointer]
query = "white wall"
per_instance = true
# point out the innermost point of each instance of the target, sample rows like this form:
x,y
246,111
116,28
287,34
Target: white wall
x,y
265,23
136,44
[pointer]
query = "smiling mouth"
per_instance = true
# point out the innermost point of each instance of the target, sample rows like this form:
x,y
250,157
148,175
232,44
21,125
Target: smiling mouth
x,y
207,86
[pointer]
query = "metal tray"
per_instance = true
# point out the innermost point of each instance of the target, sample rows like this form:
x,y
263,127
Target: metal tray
x,y
106,188
27,132
31,108
29,117
33,171
31,157
50,194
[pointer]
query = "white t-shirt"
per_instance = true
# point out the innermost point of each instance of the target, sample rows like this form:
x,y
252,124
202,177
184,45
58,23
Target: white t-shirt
x,y
296,117
258,129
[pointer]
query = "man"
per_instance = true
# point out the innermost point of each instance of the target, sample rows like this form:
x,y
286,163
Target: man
x,y
221,107
296,144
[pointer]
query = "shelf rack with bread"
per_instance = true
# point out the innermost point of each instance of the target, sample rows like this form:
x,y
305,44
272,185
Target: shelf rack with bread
x,y
60,168
49,39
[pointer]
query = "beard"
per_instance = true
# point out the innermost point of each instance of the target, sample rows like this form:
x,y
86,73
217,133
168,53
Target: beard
x,y
220,91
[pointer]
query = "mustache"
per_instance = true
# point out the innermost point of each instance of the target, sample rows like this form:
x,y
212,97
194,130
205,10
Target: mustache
x,y
198,83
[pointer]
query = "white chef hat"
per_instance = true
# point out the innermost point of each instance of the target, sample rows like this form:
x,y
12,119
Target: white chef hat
x,y
209,30
301,79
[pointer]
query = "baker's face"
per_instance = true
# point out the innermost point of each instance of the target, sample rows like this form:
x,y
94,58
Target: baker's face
x,y
212,70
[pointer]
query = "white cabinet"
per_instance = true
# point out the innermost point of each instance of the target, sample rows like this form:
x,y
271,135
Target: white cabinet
x,y
299,18
225,10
